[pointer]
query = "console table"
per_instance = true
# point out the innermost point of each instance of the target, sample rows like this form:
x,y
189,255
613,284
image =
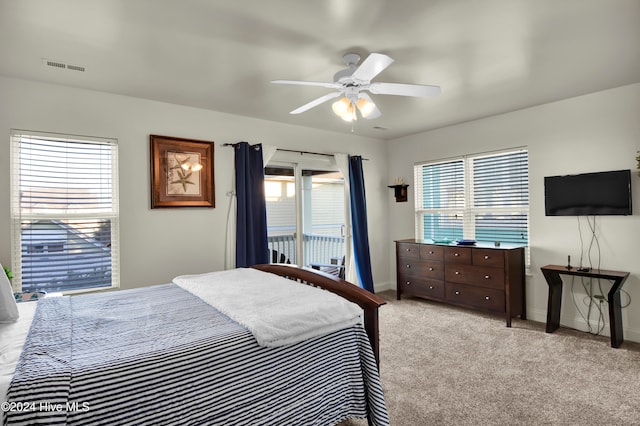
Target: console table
x,y
552,275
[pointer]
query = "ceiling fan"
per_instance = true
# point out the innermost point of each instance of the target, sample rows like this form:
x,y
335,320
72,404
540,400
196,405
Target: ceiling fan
x,y
352,84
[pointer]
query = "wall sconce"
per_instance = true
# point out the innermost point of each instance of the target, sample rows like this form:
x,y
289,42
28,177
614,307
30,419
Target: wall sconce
x,y
399,190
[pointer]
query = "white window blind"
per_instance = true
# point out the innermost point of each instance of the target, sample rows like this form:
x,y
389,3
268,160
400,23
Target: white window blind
x,y
482,197
440,199
64,212
501,197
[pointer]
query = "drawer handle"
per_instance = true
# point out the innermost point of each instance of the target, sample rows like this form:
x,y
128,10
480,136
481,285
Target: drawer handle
x,y
408,282
430,252
456,254
487,298
431,269
408,266
430,287
457,272
486,257
486,277
408,249
457,292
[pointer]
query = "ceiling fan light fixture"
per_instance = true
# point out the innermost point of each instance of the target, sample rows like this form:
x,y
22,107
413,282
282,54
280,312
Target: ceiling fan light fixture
x,y
366,107
349,115
341,106
344,109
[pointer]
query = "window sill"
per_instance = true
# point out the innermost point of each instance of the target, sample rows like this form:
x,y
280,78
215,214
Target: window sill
x,y
86,291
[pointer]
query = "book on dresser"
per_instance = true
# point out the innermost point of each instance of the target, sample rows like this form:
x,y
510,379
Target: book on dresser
x,y
483,276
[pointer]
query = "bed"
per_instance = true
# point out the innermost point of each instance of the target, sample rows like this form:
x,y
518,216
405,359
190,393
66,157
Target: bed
x,y
172,354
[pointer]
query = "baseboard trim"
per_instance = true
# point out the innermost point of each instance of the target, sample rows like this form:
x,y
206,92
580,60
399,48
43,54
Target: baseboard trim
x,y
578,323
388,285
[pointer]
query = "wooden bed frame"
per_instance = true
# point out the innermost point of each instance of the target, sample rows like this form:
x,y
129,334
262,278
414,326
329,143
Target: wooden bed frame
x,y
368,301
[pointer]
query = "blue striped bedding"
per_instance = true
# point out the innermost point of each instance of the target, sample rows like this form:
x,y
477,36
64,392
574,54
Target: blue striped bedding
x,y
159,355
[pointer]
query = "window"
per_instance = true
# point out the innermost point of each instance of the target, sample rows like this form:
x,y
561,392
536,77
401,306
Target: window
x,y
483,197
64,212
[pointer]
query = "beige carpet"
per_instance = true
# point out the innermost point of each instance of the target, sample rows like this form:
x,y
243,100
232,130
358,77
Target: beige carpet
x,y
442,365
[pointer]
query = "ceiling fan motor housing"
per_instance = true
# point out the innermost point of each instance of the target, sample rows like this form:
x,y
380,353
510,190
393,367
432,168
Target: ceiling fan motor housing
x,y
343,76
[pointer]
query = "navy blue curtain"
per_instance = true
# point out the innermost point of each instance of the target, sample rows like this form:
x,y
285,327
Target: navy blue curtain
x,y
359,224
251,218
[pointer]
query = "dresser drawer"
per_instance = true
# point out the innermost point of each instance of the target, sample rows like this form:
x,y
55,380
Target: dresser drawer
x,y
488,257
433,269
475,275
414,286
457,255
421,268
435,253
408,250
477,297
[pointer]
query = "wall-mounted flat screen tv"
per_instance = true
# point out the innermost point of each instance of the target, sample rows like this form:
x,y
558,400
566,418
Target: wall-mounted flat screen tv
x,y
601,193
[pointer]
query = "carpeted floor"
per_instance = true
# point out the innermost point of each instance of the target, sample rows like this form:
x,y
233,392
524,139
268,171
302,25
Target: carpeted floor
x,y
442,365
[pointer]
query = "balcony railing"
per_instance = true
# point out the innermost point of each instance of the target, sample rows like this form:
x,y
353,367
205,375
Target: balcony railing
x,y
282,245
318,248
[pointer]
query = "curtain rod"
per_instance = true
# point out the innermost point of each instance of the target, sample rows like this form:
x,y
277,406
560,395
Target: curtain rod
x,y
294,150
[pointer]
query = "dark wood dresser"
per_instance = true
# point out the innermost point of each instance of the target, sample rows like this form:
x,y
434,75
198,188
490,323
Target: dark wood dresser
x,y
482,276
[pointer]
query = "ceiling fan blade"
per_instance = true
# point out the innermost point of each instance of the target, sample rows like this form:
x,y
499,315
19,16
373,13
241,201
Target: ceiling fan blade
x,y
418,90
372,66
375,113
316,102
308,83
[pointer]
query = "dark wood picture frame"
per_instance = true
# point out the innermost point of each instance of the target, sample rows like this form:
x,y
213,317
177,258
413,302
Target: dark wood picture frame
x,y
182,173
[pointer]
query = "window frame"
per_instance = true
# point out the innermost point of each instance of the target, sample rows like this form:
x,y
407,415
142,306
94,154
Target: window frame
x,y
284,160
466,210
18,215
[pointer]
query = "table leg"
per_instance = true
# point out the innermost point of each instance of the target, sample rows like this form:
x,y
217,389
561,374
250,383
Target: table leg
x,y
615,315
555,300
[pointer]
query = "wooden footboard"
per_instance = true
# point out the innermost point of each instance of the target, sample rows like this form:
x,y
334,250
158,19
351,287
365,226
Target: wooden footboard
x,y
368,301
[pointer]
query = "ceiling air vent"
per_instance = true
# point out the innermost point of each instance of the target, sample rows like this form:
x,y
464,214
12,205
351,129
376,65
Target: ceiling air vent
x,y
58,64
75,67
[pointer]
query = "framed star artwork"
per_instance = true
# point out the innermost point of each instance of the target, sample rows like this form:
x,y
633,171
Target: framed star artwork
x,y
182,172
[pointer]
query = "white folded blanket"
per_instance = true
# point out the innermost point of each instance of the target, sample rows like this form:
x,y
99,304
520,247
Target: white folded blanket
x,y
276,310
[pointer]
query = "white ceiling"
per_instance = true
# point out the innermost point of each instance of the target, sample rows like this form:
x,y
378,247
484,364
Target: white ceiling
x,y
489,56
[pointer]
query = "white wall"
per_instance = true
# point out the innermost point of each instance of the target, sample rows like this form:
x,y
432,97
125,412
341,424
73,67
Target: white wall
x,y
599,131
595,132
158,244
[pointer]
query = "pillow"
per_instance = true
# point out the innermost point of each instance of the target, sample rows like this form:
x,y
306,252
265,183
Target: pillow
x,y
8,306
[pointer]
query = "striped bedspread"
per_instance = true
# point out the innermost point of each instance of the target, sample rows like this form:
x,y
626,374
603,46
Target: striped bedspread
x,y
159,355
